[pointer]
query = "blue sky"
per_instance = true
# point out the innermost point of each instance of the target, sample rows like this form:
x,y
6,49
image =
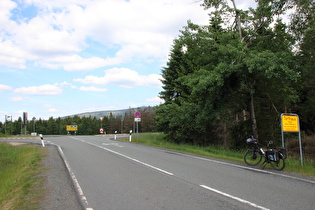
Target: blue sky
x,y
60,57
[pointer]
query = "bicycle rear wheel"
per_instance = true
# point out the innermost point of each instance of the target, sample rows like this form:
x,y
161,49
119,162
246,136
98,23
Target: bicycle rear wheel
x,y
278,165
252,157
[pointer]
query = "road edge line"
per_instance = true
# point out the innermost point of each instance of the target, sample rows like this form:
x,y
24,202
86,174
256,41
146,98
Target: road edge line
x,y
78,189
129,158
233,197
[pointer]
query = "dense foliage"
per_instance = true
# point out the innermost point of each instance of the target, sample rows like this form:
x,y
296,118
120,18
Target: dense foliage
x,y
234,77
86,125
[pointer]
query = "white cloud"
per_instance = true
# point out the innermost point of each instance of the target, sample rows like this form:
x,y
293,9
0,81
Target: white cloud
x,y
155,99
76,63
123,77
12,56
93,89
64,83
40,90
48,105
17,99
4,87
5,7
52,110
40,37
61,31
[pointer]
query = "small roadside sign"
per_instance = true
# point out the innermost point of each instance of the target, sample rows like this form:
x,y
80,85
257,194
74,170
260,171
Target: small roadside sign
x,y
137,114
101,130
137,119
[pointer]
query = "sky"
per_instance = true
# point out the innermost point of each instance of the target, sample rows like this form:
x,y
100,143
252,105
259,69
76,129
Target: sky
x,y
59,58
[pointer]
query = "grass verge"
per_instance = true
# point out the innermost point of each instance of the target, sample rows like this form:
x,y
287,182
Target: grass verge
x,y
20,180
157,140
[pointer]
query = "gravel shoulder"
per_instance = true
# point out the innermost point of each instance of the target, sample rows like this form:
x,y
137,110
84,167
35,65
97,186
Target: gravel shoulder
x,y
59,190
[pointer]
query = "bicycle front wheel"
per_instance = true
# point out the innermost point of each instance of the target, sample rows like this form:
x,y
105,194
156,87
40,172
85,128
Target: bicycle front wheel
x,y
279,165
252,157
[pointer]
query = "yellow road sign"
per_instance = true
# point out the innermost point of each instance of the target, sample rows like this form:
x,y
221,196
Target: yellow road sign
x,y
72,127
290,123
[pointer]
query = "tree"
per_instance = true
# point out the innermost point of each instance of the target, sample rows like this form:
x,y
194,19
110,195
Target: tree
x,y
303,28
216,72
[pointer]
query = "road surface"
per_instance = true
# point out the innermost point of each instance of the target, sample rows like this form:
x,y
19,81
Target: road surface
x,y
120,175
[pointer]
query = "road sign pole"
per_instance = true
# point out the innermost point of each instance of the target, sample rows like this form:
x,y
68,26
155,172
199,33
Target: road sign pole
x,y
291,123
301,155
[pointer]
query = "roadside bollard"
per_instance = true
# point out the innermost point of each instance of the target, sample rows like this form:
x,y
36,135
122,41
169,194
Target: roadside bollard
x,y
42,139
115,135
130,136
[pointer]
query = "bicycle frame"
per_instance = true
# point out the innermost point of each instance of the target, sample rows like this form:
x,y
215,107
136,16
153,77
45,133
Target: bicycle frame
x,y
273,156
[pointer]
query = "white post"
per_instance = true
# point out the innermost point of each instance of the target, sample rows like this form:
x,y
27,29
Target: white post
x,y
130,136
42,139
115,135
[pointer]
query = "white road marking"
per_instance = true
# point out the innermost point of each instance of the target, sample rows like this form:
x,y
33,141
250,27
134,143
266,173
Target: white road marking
x,y
249,168
234,198
112,144
130,158
215,161
74,179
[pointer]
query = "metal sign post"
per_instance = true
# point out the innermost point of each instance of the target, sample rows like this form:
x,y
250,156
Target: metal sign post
x,y
290,123
101,119
25,115
137,120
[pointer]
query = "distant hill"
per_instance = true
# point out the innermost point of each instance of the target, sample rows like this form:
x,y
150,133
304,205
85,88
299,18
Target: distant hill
x,y
98,114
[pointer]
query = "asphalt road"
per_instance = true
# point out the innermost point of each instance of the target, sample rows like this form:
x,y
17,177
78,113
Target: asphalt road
x,y
117,175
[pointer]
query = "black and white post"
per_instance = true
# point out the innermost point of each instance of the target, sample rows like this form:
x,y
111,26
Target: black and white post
x,y
130,135
42,139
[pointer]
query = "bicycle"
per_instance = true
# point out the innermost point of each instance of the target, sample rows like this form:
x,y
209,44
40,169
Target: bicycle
x,y
274,156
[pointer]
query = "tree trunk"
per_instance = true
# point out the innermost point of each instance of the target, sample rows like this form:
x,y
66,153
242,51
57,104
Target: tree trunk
x,y
237,20
253,116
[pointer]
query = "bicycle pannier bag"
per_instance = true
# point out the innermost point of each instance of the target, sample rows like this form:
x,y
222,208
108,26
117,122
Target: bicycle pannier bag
x,y
283,151
273,155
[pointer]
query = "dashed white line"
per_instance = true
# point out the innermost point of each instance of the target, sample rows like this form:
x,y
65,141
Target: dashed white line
x,y
234,198
112,144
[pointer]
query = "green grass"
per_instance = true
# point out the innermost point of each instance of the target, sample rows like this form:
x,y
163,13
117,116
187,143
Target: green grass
x,y
4,135
20,179
157,140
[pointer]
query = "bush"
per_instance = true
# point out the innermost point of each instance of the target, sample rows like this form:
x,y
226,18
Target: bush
x,y
308,147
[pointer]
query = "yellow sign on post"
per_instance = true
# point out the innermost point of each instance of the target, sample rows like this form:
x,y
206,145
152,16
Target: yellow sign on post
x,y
72,127
290,123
